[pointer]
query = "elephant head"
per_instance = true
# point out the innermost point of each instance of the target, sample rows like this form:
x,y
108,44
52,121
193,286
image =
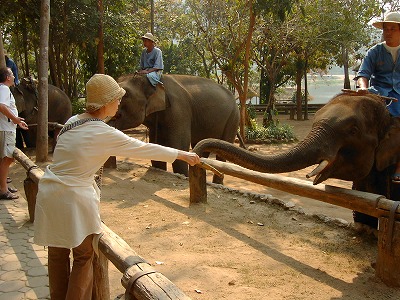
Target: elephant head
x,y
140,100
349,135
27,86
26,99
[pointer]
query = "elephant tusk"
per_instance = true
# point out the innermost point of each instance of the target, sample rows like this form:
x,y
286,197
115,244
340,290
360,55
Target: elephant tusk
x,y
206,166
318,169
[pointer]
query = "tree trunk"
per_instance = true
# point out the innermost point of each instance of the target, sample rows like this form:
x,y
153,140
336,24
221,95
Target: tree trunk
x,y
100,45
345,57
246,70
42,144
242,116
2,58
305,91
299,75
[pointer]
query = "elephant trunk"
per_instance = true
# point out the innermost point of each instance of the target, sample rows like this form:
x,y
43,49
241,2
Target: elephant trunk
x,y
315,149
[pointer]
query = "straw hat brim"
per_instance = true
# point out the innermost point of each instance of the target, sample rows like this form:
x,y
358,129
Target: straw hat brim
x,y
94,106
379,25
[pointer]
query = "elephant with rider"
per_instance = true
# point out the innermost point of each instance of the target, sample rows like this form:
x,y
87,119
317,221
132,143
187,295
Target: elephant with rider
x,y
179,113
26,99
353,138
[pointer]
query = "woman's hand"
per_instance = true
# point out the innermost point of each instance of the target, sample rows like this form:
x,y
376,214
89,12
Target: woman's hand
x,y
190,157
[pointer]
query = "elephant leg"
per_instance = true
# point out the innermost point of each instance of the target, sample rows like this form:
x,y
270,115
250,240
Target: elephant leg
x,y
19,142
365,219
159,164
180,167
27,139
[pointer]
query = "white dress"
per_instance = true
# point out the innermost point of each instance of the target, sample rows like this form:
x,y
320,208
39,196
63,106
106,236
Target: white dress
x,y
67,205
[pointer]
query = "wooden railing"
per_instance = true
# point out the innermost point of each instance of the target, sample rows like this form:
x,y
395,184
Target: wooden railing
x,y
388,211
288,108
140,280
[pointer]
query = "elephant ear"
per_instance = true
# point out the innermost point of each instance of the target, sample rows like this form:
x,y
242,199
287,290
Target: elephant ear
x,y
388,151
19,98
156,101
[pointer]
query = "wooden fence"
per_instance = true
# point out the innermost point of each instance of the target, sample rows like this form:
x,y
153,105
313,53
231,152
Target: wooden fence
x,y
388,211
288,108
140,280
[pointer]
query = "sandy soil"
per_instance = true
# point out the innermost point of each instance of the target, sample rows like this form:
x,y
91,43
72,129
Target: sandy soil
x,y
236,246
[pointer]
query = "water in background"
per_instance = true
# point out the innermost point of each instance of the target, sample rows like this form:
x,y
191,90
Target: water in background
x,y
321,87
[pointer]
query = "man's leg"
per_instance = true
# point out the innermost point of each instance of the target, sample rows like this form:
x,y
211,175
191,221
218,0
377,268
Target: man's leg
x,y
5,163
81,281
7,147
59,272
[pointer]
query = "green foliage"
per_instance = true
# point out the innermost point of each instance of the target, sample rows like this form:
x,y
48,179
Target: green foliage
x,y
303,96
275,133
251,111
78,106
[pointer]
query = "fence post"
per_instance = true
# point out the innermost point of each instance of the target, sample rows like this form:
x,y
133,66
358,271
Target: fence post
x,y
101,286
198,185
388,259
31,189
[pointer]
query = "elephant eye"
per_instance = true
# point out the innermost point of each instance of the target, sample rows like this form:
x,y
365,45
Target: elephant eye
x,y
354,130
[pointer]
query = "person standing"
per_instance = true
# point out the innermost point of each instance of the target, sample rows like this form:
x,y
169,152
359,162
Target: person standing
x,y
151,60
8,122
379,72
13,66
67,212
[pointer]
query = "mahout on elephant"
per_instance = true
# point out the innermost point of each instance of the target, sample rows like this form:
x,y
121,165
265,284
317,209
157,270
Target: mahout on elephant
x,y
179,113
26,98
353,138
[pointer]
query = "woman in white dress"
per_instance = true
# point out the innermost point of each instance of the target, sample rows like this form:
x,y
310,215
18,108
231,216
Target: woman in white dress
x,y
67,208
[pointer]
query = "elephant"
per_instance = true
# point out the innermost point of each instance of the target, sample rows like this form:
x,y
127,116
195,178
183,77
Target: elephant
x,y
26,99
178,113
353,138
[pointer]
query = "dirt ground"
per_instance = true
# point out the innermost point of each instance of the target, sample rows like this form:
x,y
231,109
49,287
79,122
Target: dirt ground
x,y
237,246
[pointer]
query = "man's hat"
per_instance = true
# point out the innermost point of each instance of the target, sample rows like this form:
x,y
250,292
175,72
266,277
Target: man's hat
x,y
149,36
392,17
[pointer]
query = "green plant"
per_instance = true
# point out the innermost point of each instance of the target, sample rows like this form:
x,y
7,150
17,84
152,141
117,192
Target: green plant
x,y
274,133
78,106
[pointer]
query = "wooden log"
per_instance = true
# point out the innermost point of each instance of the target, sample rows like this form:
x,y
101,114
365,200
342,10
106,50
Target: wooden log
x,y
388,260
51,125
31,182
101,286
368,203
31,189
111,163
150,286
34,172
198,185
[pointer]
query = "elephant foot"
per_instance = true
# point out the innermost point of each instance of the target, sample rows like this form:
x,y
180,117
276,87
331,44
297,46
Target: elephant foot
x,y
365,229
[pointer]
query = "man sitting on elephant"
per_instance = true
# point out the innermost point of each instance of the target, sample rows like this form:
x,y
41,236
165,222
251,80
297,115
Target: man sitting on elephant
x,y
381,68
151,60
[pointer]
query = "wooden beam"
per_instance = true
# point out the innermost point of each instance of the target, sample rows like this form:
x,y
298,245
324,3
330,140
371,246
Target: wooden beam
x,y
368,203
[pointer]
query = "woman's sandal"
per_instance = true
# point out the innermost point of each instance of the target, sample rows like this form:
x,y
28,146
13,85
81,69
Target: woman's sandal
x,y
12,190
8,196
